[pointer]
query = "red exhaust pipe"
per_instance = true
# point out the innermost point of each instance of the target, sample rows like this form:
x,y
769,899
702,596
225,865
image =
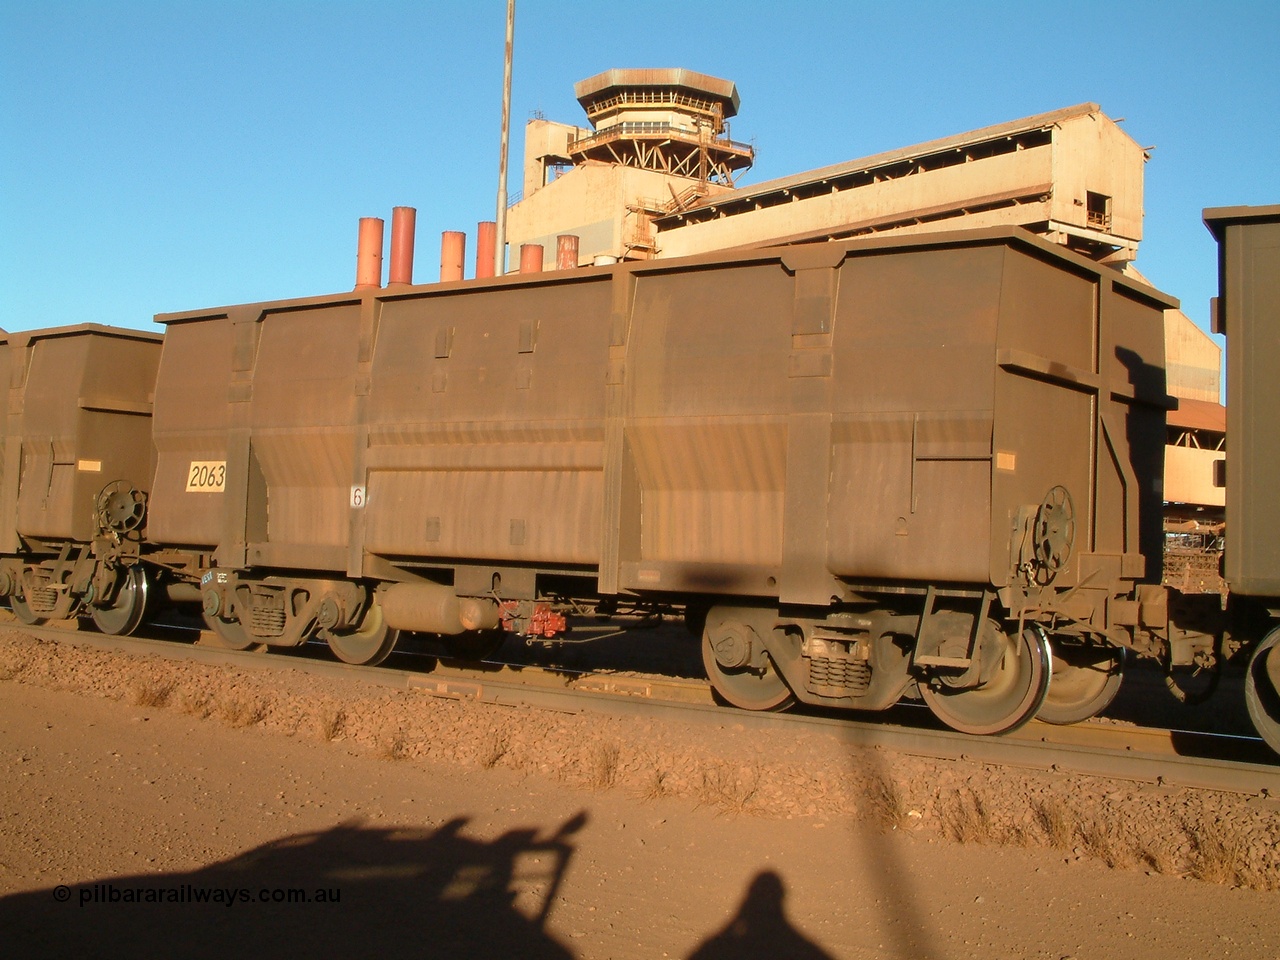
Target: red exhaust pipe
x,y
403,225
453,251
566,252
530,258
369,254
486,240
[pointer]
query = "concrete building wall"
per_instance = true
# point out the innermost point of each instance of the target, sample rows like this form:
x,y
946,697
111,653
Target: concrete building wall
x,y
1092,154
600,204
1027,173
1193,361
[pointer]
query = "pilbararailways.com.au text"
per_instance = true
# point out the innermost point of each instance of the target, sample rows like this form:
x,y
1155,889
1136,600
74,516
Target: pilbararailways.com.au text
x,y
111,893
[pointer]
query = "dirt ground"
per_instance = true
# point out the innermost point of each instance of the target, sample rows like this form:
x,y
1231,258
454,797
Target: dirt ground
x,y
157,808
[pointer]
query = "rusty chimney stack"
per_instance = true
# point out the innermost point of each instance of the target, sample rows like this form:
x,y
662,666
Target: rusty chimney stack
x,y
531,258
453,251
403,225
566,252
486,240
369,254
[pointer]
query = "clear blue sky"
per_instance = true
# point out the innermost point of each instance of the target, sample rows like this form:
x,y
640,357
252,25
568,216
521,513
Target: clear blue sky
x,y
161,156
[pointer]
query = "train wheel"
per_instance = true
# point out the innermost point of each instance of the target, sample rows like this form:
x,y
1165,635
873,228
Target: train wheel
x,y
367,646
750,687
227,634
1262,689
123,616
1017,672
1086,678
22,610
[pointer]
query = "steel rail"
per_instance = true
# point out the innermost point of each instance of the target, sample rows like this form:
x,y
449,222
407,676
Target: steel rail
x,y
1134,754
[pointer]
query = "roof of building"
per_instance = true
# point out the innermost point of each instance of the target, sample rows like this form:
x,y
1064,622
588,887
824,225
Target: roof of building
x,y
1199,415
698,84
1013,128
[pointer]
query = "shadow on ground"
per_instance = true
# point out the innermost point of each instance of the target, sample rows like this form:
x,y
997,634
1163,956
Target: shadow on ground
x,y
356,891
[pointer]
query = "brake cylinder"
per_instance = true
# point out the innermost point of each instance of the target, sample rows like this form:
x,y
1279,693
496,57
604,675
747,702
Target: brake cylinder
x,y
435,608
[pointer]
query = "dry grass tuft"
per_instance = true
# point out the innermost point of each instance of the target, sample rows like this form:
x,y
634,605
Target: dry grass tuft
x,y
604,766
655,787
1057,822
730,790
499,745
193,704
394,748
242,712
885,803
1104,839
331,722
1160,855
152,693
1216,853
12,665
967,820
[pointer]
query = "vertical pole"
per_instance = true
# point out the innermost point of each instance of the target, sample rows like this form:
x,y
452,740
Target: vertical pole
x,y
500,246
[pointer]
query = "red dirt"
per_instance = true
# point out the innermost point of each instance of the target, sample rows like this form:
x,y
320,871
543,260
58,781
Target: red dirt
x,y
461,828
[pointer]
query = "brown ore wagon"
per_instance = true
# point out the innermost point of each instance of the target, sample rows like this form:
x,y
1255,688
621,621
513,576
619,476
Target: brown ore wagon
x,y
865,469
73,481
1247,310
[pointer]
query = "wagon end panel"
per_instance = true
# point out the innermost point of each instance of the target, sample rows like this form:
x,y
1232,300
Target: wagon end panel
x,y
1079,424
85,408
1248,312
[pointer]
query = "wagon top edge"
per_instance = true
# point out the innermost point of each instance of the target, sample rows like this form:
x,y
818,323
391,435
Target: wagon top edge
x,y
21,338
787,255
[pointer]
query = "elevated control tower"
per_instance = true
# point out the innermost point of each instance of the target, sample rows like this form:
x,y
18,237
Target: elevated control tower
x,y
668,120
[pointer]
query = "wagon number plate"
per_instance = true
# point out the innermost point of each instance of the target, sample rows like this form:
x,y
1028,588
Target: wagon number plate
x,y
207,476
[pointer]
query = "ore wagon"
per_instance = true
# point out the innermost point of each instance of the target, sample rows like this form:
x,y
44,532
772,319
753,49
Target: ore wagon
x,y
1247,310
864,469
76,469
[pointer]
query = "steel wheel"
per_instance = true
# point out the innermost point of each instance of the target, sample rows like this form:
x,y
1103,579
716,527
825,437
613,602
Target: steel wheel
x,y
747,687
1086,678
1017,670
22,610
1262,689
123,616
367,646
227,634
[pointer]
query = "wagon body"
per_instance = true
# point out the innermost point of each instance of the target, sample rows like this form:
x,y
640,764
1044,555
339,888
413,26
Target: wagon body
x,y
787,423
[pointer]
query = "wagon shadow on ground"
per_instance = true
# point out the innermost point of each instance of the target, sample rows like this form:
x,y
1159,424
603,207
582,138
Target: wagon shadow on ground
x,y
357,891
368,892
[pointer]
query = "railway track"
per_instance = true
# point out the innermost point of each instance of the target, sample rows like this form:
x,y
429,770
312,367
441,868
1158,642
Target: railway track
x,y
1155,756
